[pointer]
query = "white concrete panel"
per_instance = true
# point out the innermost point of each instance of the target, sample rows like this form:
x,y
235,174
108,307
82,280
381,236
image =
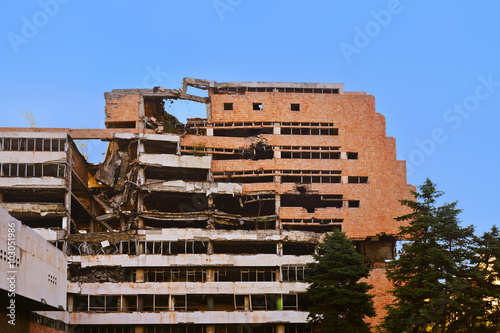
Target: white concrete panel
x,y
31,157
37,135
38,268
32,182
176,161
183,260
199,317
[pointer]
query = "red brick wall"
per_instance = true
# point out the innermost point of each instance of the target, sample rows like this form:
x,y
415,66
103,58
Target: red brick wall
x,y
120,108
361,130
380,285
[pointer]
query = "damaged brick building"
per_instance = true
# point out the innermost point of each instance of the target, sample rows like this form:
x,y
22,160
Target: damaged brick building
x,y
208,226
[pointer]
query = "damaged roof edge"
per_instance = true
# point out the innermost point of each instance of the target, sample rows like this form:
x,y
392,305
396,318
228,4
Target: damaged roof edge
x,y
207,84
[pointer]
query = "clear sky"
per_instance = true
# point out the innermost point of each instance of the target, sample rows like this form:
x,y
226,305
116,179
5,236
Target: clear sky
x,y
432,66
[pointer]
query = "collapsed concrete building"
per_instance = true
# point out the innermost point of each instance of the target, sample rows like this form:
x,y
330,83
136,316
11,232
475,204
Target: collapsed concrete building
x,y
208,226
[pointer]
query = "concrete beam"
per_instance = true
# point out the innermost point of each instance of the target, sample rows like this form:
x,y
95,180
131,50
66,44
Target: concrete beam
x,y
199,317
41,209
31,157
192,187
183,260
175,161
174,234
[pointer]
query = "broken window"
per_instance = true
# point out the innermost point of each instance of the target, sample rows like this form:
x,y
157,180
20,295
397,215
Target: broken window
x,y
179,302
260,205
295,107
311,201
257,106
228,106
242,302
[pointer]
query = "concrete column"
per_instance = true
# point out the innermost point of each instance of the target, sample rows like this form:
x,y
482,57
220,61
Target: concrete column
x,y
209,112
65,223
70,303
171,303
1,197
247,303
280,328
210,329
139,329
141,113
210,131
210,275
141,176
277,153
210,248
139,275
140,303
276,128
123,222
277,200
343,155
279,248
210,303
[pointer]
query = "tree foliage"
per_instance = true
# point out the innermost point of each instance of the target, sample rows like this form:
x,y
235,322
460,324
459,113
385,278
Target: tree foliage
x,y
444,279
339,301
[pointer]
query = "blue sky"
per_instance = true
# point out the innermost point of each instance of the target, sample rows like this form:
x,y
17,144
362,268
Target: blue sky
x,y
433,68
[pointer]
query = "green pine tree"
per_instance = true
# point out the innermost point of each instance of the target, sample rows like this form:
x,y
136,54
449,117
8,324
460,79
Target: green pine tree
x,y
440,279
339,301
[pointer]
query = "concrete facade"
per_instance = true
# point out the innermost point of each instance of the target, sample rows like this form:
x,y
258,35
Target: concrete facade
x,y
208,226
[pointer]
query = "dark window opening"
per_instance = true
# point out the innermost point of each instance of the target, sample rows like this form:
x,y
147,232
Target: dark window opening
x,y
311,202
242,132
254,179
246,206
228,106
257,106
247,248
295,107
165,173
353,203
298,249
357,180
352,156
